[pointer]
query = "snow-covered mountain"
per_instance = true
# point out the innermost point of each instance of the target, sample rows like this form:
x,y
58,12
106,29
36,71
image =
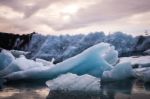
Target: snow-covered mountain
x,y
63,47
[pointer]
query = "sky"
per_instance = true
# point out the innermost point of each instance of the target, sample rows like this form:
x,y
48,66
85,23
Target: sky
x,y
58,17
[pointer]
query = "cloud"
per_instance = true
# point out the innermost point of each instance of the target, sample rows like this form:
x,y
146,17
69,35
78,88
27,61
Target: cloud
x,y
47,15
109,10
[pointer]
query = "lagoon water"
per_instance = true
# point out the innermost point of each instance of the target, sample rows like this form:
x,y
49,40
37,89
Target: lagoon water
x,y
131,89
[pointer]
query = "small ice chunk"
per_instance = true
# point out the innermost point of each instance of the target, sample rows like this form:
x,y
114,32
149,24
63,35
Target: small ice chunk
x,y
119,72
5,59
147,52
142,73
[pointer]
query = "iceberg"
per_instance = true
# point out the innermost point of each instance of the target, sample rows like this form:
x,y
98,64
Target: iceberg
x,y
119,72
5,59
20,64
73,82
91,61
142,61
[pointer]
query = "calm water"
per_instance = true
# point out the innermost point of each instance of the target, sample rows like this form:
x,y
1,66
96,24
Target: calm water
x,y
131,89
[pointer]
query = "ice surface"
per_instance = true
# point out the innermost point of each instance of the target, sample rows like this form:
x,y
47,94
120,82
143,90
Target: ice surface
x,y
111,56
73,82
142,74
119,72
144,61
90,61
5,59
17,53
44,62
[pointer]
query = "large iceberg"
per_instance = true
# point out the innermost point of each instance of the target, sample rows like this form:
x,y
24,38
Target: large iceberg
x,y
73,82
93,61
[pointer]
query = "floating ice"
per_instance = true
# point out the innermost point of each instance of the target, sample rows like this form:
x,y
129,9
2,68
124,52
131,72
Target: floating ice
x,y
90,61
147,52
20,64
142,74
143,61
5,59
119,72
73,82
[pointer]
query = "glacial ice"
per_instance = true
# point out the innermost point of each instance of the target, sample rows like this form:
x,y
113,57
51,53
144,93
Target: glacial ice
x,y
73,82
44,62
119,72
143,61
5,59
17,53
20,64
142,73
90,61
147,52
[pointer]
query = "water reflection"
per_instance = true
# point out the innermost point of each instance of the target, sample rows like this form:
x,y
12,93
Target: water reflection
x,y
24,90
131,89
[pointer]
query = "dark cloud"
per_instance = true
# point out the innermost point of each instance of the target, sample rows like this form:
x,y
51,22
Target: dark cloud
x,y
28,10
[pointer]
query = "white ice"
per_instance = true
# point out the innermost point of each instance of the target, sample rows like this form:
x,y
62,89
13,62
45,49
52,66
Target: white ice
x,y
44,62
17,53
144,61
73,82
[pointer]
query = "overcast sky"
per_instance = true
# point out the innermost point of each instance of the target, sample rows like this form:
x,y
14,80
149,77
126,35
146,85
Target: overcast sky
x,y
74,16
